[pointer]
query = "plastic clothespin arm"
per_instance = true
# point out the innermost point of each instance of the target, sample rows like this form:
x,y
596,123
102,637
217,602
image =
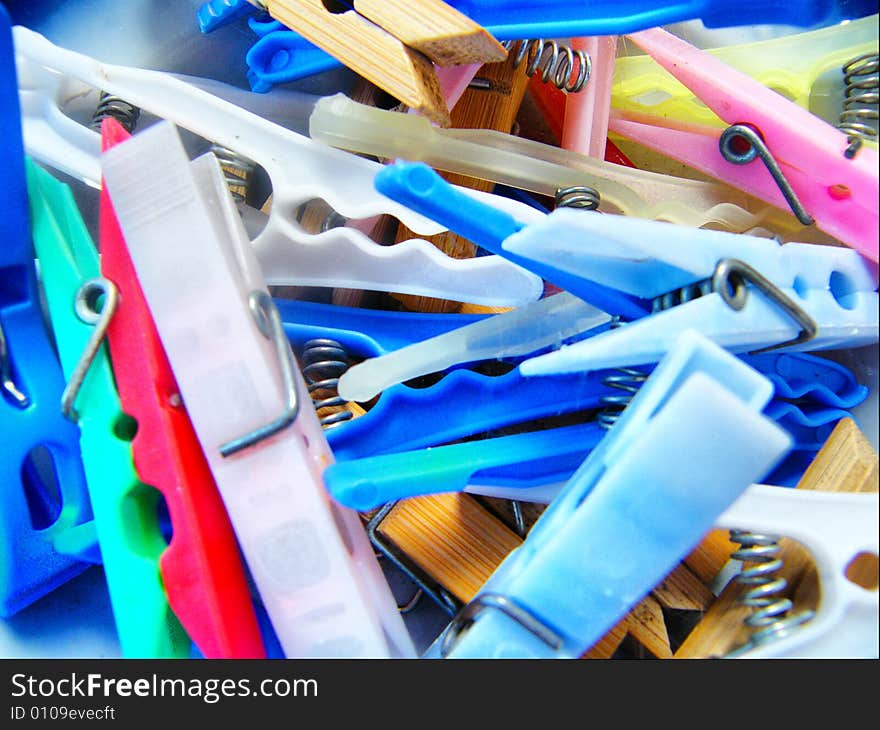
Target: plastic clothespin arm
x,y
513,462
423,190
215,14
522,331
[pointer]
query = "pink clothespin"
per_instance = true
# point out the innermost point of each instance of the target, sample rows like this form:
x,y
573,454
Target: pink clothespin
x,y
773,149
585,128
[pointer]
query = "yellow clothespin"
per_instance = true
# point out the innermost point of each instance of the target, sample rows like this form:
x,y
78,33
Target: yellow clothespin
x,y
392,43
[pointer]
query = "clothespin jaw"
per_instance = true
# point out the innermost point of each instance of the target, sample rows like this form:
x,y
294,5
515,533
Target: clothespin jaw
x,y
772,148
559,593
45,538
125,509
201,568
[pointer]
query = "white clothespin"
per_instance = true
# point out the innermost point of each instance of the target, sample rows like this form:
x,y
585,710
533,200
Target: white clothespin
x,y
310,558
747,294
300,170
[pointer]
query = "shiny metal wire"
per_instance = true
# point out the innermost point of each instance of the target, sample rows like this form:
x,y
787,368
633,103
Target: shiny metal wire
x,y
238,171
860,97
771,617
113,106
555,62
323,362
582,197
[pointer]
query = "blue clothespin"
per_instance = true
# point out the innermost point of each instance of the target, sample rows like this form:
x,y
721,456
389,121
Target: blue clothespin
x,y
690,443
419,187
46,532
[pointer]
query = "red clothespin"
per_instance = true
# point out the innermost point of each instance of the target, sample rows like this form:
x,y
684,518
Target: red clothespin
x,y
201,568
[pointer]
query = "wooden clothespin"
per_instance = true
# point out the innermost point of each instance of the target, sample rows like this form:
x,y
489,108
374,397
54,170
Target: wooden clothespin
x,y
392,44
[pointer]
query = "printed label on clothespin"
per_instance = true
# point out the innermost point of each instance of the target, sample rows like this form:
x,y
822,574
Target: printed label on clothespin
x,y
309,558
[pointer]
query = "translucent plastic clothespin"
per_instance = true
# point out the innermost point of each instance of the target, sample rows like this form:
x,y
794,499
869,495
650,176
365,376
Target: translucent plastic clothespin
x,y
300,170
81,303
201,569
772,149
559,593
747,294
804,67
43,539
539,168
310,559
522,331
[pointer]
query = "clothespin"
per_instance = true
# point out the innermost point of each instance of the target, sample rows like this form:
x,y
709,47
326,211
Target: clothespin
x,y
201,568
81,304
748,294
310,559
541,168
393,44
300,170
542,603
773,149
806,68
43,540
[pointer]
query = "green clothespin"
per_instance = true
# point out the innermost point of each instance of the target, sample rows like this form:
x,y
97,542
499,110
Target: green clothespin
x,y
80,307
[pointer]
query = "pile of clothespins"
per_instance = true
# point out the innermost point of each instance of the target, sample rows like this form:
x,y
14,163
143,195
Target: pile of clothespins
x,y
581,395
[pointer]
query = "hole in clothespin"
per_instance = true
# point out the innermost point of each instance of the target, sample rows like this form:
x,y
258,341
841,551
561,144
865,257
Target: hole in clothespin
x,y
842,289
39,479
864,571
336,7
125,427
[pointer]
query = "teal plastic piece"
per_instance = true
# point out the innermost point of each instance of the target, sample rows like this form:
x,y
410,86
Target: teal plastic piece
x,y
125,509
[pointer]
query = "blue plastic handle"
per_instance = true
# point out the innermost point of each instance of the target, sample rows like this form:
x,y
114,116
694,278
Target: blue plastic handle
x,y
281,56
217,13
801,376
462,404
45,515
364,332
520,461
420,188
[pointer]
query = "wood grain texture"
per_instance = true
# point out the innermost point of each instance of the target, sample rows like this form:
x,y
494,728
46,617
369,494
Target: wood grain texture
x,y
441,32
711,555
451,538
682,590
368,50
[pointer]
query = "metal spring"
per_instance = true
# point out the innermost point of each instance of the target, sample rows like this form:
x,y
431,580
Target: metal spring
x,y
555,62
324,361
578,196
238,171
770,618
860,75
112,106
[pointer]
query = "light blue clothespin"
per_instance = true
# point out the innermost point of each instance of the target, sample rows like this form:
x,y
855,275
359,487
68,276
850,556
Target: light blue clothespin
x,y
748,294
688,445
217,13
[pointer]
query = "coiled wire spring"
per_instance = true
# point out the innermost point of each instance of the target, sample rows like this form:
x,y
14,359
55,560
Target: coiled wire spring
x,y
238,171
859,117
323,363
582,197
555,62
119,109
771,616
